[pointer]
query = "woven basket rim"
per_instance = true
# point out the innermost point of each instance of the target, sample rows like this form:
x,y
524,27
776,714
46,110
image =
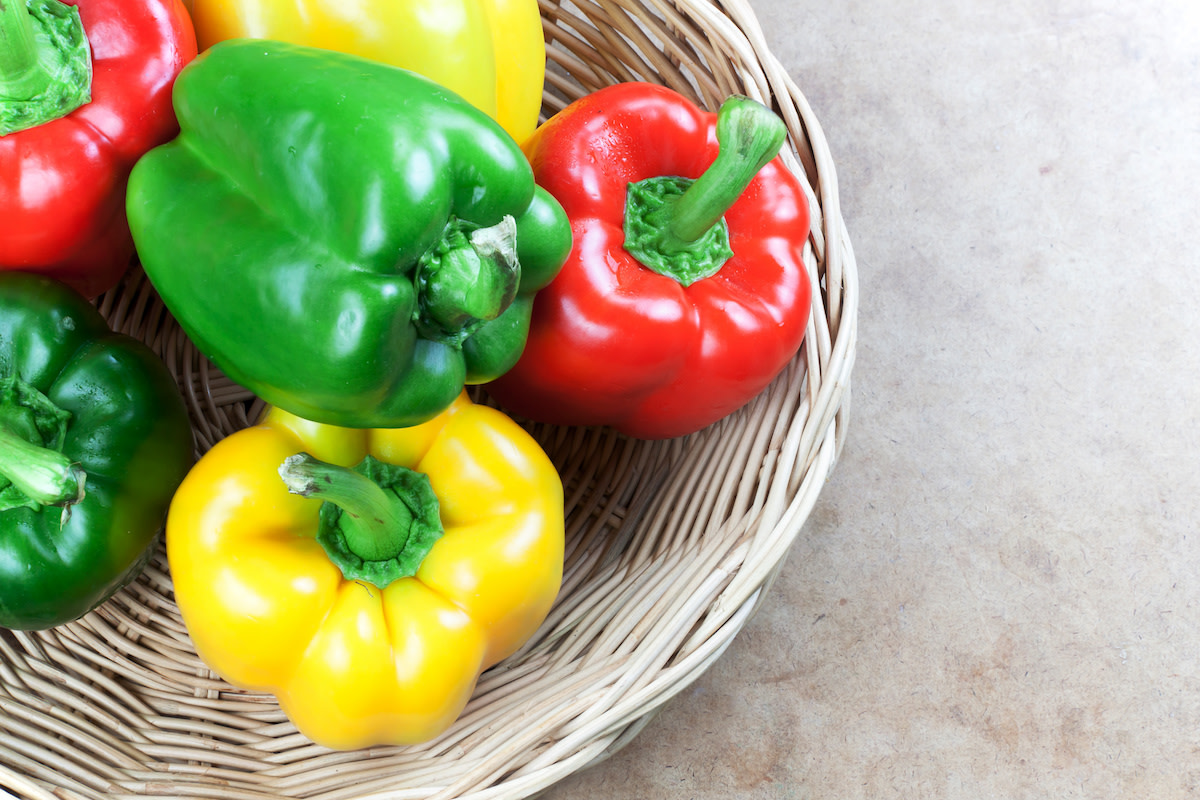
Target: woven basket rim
x,y
665,562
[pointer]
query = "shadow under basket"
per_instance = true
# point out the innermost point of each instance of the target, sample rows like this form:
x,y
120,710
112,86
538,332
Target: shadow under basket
x,y
671,545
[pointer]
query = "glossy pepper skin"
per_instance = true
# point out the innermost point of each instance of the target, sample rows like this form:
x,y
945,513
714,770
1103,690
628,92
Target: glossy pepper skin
x,y
391,658
658,354
94,439
490,52
337,234
62,180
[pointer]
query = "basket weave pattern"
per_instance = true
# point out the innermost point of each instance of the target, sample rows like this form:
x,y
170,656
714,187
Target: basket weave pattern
x,y
671,545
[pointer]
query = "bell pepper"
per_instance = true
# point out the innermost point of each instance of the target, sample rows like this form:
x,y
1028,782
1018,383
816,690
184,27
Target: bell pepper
x,y
367,577
345,238
85,90
490,52
685,292
94,439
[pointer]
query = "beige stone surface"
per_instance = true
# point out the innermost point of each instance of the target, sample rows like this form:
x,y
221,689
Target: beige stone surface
x,y
998,595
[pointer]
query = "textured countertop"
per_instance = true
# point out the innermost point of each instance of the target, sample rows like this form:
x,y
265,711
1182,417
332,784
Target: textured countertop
x,y
997,594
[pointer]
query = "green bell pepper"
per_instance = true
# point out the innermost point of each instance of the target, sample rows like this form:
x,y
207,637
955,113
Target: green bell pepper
x,y
94,440
345,238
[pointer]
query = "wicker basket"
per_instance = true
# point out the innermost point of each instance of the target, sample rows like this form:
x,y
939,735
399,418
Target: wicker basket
x,y
670,545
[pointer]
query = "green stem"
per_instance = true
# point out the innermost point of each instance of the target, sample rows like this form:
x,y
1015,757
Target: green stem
x,y
22,76
376,526
674,225
45,476
378,521
749,135
469,278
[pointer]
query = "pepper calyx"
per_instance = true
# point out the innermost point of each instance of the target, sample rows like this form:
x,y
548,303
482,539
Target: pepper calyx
x,y
34,471
674,225
45,63
377,521
467,279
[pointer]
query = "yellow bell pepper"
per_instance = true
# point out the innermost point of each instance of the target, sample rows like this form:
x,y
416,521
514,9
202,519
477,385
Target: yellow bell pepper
x,y
491,52
368,633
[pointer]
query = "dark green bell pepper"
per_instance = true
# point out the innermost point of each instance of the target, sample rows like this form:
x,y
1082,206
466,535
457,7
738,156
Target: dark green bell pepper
x,y
347,239
94,440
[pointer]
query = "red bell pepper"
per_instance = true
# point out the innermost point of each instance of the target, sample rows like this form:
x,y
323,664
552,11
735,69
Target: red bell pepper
x,y
685,292
85,90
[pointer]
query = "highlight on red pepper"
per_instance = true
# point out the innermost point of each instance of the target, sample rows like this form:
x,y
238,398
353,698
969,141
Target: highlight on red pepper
x,y
685,293
85,90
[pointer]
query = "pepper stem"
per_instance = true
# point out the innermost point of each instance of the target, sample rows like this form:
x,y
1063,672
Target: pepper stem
x,y
22,75
378,520
674,225
45,476
470,277
749,135
45,63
